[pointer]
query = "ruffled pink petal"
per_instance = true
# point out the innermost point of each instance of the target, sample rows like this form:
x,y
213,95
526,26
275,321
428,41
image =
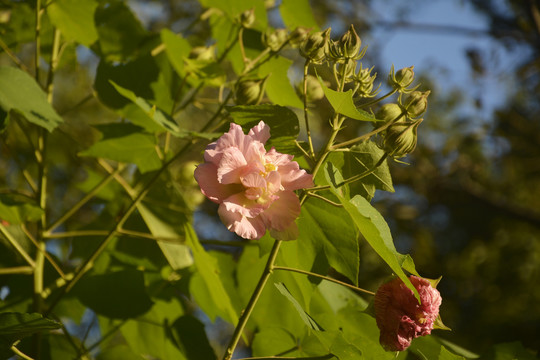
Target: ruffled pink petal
x,y
277,158
283,211
261,132
206,176
230,166
253,180
239,203
248,228
293,178
273,182
235,137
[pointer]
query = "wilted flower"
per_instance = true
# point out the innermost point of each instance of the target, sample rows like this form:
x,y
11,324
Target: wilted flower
x,y
255,188
400,317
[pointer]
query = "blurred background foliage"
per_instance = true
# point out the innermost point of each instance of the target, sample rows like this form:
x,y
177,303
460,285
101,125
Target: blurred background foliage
x,y
468,207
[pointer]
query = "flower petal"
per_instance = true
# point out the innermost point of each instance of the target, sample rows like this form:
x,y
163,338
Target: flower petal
x,y
239,203
261,132
283,211
206,176
230,166
248,228
293,178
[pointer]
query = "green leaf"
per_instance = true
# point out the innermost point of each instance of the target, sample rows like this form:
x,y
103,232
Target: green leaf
x,y
283,123
119,352
306,318
359,159
511,351
327,237
297,13
177,254
152,335
15,326
233,8
193,338
447,355
338,346
127,143
118,295
374,229
121,35
16,88
177,49
75,19
155,114
207,268
273,341
343,104
278,85
17,209
208,71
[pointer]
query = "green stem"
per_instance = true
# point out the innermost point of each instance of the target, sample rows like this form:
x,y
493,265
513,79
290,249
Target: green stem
x,y
306,116
252,301
20,353
54,63
12,56
367,135
309,273
45,253
323,199
38,39
83,201
17,246
76,233
26,270
241,43
374,101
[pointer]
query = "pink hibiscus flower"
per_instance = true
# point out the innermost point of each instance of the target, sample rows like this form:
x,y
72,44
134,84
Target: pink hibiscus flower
x,y
254,188
399,316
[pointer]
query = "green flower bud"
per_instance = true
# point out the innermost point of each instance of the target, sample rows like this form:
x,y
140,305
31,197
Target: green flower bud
x,y
315,45
250,92
247,18
205,53
347,47
401,79
389,112
314,90
400,138
350,43
298,36
416,103
185,175
275,39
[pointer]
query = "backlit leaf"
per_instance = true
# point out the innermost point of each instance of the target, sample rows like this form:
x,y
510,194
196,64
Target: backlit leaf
x,y
306,318
374,229
297,13
343,104
75,19
16,87
16,209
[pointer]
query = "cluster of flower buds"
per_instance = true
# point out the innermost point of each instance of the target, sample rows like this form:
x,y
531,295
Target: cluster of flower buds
x,y
250,92
401,136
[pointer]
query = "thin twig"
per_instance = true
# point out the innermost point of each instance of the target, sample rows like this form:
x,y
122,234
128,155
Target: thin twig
x,y
356,288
